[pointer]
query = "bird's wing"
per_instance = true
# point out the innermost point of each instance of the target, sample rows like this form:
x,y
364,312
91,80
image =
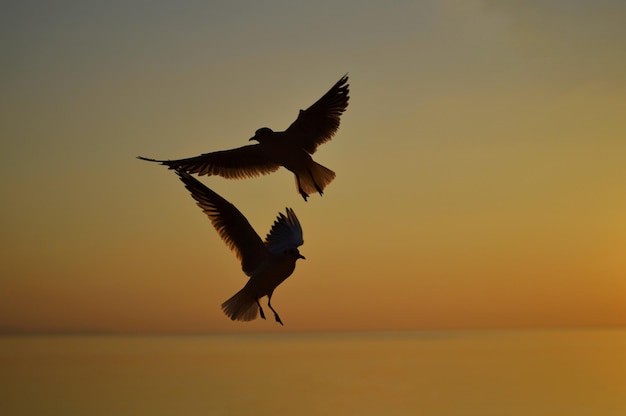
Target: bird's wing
x,y
286,233
230,224
318,123
242,162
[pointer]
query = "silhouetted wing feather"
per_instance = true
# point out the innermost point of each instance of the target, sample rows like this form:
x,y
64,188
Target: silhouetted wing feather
x,y
243,162
230,224
286,233
318,123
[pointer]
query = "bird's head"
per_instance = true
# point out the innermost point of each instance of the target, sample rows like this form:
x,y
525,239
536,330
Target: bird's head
x,y
262,134
293,252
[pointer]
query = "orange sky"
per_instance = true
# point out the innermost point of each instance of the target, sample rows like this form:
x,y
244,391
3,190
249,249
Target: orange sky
x,y
480,165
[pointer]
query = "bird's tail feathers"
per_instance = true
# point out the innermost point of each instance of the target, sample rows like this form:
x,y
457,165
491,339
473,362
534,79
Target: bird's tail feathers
x,y
316,179
242,306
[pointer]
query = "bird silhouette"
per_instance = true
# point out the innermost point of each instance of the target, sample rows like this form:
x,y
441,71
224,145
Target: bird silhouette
x,y
291,148
268,263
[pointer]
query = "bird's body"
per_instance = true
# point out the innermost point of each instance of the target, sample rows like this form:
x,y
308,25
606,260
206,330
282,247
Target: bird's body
x,y
310,176
291,148
268,263
244,305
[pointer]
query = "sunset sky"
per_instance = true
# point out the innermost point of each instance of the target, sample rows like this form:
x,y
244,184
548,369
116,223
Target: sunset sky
x,y
481,164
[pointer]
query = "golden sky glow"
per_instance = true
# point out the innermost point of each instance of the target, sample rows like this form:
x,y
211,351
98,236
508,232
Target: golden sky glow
x,y
481,164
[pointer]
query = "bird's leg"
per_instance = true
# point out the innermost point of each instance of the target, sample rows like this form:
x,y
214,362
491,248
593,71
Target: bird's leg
x,y
260,308
304,194
269,300
315,183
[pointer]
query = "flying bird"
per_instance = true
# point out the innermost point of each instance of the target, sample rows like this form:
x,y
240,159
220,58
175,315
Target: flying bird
x,y
268,263
291,148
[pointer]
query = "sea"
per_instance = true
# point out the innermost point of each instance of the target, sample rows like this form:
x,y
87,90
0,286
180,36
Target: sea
x,y
435,373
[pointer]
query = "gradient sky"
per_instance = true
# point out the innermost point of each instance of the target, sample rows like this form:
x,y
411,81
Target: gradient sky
x,y
481,164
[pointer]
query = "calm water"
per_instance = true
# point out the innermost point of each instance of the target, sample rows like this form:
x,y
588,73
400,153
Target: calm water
x,y
433,373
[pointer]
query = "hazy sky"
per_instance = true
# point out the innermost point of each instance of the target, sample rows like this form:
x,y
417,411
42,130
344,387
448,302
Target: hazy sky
x,y
481,164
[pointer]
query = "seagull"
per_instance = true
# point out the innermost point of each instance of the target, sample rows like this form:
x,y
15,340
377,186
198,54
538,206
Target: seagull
x,y
268,263
291,148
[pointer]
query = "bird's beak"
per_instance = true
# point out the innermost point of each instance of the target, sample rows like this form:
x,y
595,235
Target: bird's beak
x,y
300,256
252,138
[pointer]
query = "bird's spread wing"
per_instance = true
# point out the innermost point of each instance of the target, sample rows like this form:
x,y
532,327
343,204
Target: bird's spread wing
x,y
286,233
230,224
318,123
242,162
